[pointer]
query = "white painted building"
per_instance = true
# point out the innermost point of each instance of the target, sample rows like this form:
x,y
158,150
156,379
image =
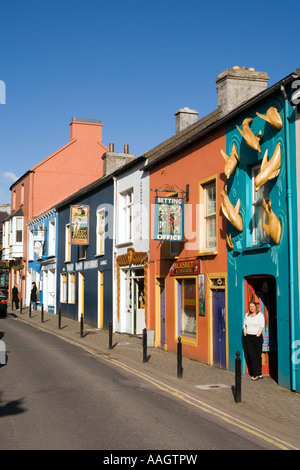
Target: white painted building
x,y
131,247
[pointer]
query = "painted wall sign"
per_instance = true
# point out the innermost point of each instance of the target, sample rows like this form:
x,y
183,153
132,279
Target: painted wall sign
x,y
185,267
79,225
169,219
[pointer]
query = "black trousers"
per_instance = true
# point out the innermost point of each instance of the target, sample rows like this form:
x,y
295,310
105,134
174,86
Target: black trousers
x,y
253,345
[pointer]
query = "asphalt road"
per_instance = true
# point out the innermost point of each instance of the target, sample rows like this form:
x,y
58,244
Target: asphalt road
x,y
55,395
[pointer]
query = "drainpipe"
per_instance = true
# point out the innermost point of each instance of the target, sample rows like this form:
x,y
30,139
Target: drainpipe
x,y
290,230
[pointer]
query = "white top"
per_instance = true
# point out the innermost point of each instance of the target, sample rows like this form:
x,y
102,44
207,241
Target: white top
x,y
253,324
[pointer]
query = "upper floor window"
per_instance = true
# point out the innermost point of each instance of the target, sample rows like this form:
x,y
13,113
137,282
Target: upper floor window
x,y
52,237
258,213
100,236
125,220
19,229
208,216
30,244
68,242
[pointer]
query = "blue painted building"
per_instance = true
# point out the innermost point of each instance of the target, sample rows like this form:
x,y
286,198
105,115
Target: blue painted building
x,y
42,259
84,281
263,254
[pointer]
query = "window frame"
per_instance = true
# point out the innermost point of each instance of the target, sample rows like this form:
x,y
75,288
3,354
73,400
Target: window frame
x,y
204,185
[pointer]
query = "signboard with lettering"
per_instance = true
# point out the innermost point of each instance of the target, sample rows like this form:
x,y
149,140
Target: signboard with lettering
x,y
185,267
80,225
169,219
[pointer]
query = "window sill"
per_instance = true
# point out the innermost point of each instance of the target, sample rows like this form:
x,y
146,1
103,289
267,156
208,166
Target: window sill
x,y
188,341
124,244
258,247
207,253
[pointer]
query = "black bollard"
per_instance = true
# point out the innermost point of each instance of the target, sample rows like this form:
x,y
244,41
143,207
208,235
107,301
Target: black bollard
x,y
59,319
81,326
144,345
29,309
179,358
42,314
21,306
110,335
238,378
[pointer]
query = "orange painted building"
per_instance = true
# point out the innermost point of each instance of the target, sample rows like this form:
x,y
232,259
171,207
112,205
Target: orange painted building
x,y
72,167
187,280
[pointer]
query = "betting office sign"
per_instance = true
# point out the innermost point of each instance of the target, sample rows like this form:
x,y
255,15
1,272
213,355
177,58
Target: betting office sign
x,y
169,219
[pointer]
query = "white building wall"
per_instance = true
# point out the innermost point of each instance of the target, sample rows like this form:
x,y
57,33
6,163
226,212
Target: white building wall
x,y
137,180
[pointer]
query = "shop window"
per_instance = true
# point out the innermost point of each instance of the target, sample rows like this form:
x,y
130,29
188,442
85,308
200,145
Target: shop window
x,y
63,288
187,307
208,219
258,213
71,288
100,236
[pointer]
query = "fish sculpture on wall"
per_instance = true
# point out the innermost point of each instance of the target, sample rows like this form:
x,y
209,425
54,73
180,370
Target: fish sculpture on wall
x,y
229,241
273,227
269,169
251,139
272,117
231,212
231,161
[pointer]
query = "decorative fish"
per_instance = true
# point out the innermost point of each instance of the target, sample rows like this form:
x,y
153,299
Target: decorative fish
x,y
229,241
272,117
231,213
273,227
269,169
251,139
231,161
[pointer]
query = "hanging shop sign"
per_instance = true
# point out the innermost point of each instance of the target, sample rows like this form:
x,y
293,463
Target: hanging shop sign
x,y
79,225
169,219
185,267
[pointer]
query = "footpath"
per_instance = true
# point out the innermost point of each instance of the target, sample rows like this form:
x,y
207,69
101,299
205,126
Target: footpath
x,y
264,404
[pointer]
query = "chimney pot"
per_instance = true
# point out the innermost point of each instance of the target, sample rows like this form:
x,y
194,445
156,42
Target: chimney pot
x,y
126,148
111,147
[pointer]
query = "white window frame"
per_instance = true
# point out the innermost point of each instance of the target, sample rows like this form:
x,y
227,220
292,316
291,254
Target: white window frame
x,y
100,235
126,216
67,243
63,288
52,238
71,287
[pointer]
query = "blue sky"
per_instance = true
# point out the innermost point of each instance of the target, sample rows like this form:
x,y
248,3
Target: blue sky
x,y
130,63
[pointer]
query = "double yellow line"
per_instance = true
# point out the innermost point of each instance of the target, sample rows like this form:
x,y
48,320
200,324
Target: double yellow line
x,y
184,396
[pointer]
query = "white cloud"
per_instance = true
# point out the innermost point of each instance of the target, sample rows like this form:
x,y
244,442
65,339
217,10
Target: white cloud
x,y
11,177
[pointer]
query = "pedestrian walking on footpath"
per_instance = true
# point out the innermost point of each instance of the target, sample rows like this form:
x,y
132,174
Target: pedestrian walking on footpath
x,y
33,295
15,296
254,324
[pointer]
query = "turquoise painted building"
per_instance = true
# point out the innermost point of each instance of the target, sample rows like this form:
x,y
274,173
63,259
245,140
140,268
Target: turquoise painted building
x,y
42,259
261,267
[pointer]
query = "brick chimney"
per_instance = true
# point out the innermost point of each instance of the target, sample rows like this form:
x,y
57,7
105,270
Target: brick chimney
x,y
113,160
86,129
184,117
237,85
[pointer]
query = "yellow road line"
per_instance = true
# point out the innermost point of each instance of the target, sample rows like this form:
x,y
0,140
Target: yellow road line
x,y
183,396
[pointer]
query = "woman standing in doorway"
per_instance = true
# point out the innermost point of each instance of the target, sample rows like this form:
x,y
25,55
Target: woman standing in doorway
x,y
254,324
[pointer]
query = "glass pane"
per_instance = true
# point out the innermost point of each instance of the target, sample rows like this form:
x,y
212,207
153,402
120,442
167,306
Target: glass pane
x,y
210,232
188,307
210,200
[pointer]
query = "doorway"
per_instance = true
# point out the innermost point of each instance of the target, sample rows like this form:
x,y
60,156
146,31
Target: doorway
x,y
134,293
219,328
262,290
